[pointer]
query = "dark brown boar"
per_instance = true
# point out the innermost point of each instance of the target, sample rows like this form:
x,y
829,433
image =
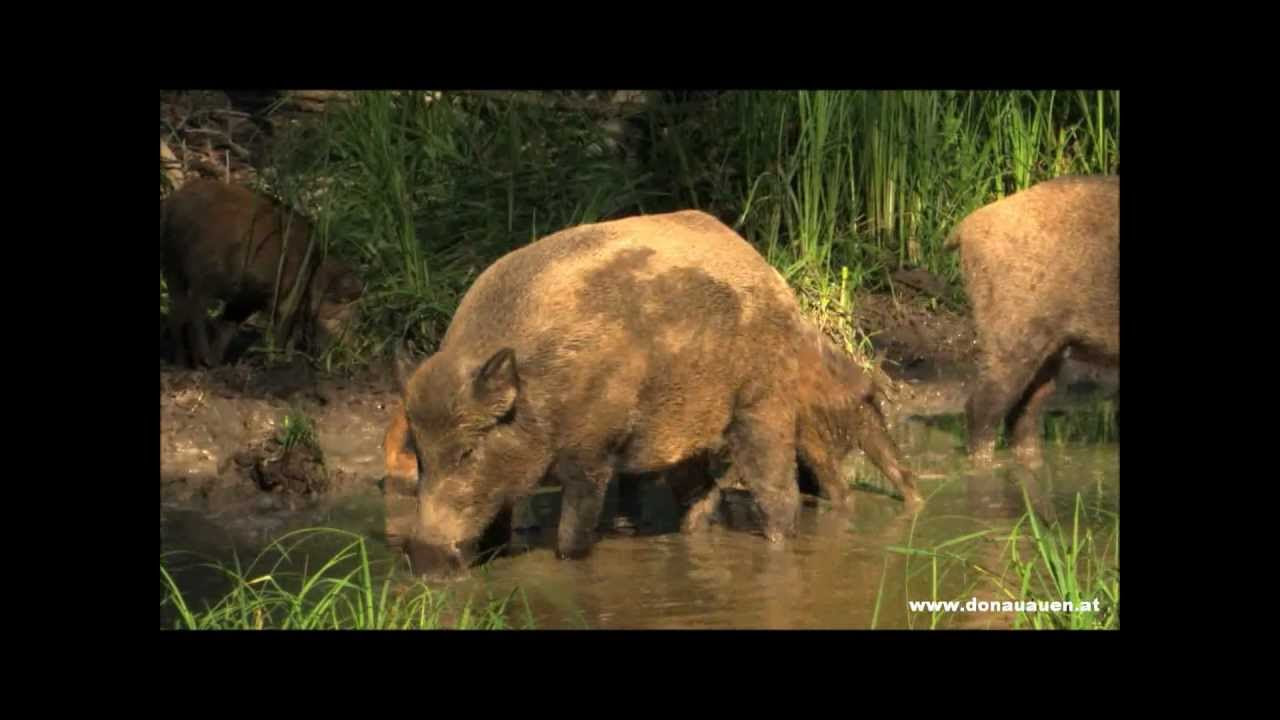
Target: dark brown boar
x,y
624,347
1042,271
225,242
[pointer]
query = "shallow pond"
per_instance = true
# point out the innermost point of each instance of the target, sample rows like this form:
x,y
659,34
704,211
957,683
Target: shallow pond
x,y
853,571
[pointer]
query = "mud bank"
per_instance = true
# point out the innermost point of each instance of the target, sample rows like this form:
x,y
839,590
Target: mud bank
x,y
211,422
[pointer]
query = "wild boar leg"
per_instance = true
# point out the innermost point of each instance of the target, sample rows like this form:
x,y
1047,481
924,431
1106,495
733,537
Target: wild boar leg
x,y
1006,377
198,327
190,314
699,509
225,329
582,488
764,454
1025,428
179,300
827,469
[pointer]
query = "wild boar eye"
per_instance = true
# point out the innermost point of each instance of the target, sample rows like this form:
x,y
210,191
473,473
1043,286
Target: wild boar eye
x,y
465,454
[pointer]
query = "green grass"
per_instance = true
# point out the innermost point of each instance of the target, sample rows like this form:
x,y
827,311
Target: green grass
x,y
424,195
1077,563
297,429
1095,423
872,181
1074,565
837,188
345,590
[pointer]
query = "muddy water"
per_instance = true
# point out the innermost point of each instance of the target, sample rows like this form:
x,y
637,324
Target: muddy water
x,y
840,572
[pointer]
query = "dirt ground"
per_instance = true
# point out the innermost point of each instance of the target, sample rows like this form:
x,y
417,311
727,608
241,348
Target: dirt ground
x,y
217,428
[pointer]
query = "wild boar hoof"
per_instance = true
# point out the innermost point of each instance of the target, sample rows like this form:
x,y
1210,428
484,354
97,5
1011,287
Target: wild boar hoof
x,y
573,553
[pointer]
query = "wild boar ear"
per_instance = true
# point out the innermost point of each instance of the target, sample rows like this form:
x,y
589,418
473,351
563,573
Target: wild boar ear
x,y
498,383
404,367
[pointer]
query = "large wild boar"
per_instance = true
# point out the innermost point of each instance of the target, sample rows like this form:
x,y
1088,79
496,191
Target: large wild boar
x,y
630,346
224,242
1042,271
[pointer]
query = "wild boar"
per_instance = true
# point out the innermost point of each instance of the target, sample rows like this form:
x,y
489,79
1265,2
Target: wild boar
x,y
1042,272
626,347
225,242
